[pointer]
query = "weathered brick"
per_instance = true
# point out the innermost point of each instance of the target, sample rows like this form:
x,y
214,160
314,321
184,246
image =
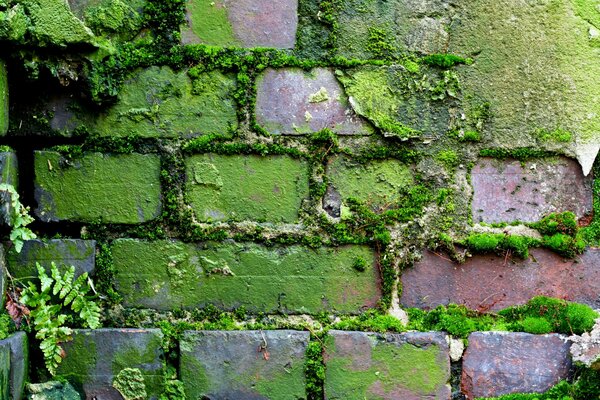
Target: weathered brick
x,y
402,25
293,102
362,365
506,191
63,252
95,357
169,275
221,188
378,183
242,23
490,282
112,188
498,363
157,102
3,99
9,168
19,360
244,365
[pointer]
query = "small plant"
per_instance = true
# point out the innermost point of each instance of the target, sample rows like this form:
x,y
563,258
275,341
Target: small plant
x,y
16,216
45,305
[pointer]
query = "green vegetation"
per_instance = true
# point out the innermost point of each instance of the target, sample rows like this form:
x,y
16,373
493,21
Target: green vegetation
x,y
445,60
48,310
314,369
16,215
130,384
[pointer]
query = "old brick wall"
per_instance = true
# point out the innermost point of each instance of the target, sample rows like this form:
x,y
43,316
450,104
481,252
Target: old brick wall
x,y
323,199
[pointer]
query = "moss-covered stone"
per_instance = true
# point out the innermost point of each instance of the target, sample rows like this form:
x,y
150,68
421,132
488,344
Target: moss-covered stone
x,y
169,275
9,168
223,188
243,365
94,358
17,345
404,103
63,252
3,99
362,365
377,184
383,28
112,188
53,23
544,78
4,371
157,102
116,19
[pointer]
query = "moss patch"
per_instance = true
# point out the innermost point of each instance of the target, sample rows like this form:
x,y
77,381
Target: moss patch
x,y
209,23
3,99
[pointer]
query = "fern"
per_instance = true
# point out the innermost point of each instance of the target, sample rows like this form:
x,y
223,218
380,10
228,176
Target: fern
x,y
55,293
16,215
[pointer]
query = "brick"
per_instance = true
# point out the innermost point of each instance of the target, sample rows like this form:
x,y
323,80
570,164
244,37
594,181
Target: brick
x,y
417,26
294,102
490,282
224,188
506,191
244,365
111,188
241,23
168,275
63,252
378,183
19,364
9,168
360,365
498,363
95,357
3,99
158,102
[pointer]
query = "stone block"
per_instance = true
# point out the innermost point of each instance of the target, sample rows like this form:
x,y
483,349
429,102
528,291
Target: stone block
x,y
378,184
9,168
19,364
295,102
95,357
225,188
63,252
243,365
3,277
111,188
168,275
490,282
419,26
506,191
3,99
498,363
361,365
241,23
158,102
4,371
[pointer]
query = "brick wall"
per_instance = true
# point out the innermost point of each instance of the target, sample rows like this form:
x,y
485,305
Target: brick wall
x,y
271,197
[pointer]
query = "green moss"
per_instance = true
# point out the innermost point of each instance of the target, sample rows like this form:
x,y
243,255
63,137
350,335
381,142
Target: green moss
x,y
114,17
130,384
557,135
371,321
209,22
445,60
165,17
448,158
565,222
82,360
520,153
314,370
497,242
564,245
3,99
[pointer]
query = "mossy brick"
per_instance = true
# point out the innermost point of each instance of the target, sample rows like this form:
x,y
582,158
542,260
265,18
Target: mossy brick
x,y
225,188
294,102
111,188
497,363
371,28
534,66
3,98
3,276
113,19
378,184
4,371
9,168
403,102
492,283
53,24
509,190
94,357
63,252
244,365
364,365
158,102
169,275
241,23
17,345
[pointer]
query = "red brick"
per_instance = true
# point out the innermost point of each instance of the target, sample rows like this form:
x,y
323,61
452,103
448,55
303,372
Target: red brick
x,y
498,363
490,282
505,191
